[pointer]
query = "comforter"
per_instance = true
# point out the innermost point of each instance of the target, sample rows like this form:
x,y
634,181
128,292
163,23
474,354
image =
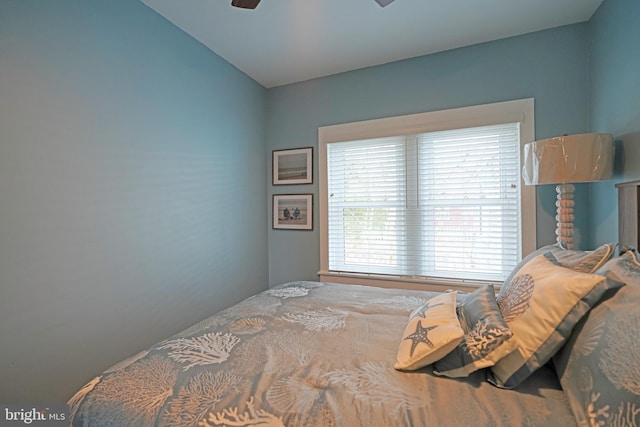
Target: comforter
x,y
305,354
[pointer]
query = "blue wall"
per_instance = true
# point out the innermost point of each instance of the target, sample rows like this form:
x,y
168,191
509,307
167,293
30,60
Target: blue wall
x,y
550,66
615,103
132,193
132,159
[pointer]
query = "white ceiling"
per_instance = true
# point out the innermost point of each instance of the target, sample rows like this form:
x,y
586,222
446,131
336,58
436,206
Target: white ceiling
x,y
287,41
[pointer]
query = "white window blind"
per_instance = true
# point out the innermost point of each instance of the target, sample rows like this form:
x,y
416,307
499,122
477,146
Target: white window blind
x,y
440,204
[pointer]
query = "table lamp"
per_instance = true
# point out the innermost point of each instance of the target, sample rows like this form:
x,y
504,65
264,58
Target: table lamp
x,y
565,160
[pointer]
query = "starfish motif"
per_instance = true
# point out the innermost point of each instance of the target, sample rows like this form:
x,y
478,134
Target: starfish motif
x,y
421,312
420,336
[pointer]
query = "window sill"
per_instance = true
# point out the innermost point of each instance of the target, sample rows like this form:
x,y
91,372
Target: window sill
x,y
399,282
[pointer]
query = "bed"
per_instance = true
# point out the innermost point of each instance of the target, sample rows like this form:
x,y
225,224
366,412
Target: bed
x,y
556,346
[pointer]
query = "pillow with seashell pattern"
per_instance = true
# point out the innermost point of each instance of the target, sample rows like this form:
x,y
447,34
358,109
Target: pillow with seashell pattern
x,y
541,305
599,367
582,261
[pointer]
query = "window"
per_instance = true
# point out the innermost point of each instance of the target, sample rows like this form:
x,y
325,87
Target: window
x,y
433,197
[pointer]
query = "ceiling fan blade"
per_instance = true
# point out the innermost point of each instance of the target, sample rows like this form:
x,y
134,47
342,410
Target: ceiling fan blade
x,y
245,4
384,3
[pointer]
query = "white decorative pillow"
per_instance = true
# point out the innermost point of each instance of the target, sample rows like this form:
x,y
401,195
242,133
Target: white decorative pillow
x,y
487,338
432,332
541,305
581,261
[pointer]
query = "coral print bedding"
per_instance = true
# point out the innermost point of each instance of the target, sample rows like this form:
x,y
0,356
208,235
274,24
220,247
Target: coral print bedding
x,y
599,367
319,355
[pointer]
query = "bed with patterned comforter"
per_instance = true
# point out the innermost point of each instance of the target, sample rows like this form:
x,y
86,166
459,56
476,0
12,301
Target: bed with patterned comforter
x,y
306,354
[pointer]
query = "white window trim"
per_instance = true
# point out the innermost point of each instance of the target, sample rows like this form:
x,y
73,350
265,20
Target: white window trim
x,y
521,110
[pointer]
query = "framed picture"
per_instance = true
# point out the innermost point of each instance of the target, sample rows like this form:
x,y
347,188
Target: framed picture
x,y
293,166
293,211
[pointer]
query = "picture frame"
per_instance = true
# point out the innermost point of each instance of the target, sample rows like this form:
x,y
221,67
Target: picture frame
x,y
293,211
293,166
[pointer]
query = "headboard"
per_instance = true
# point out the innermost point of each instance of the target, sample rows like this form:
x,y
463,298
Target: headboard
x,y
628,215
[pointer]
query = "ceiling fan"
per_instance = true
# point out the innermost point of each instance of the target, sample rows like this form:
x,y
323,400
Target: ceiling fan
x,y
252,4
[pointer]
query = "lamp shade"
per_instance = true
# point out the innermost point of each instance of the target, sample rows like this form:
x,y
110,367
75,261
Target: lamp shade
x,y
571,158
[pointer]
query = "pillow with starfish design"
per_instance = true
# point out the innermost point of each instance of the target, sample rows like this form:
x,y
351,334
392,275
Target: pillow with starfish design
x,y
432,332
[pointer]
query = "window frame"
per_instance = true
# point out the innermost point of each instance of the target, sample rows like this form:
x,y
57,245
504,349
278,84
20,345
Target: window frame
x,y
521,110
